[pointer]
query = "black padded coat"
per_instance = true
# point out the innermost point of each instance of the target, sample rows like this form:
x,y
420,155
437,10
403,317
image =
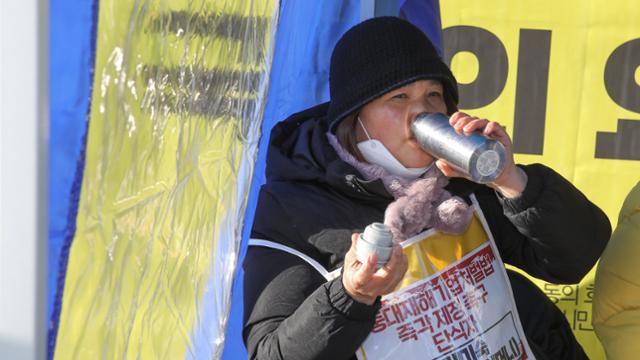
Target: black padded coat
x,y
313,201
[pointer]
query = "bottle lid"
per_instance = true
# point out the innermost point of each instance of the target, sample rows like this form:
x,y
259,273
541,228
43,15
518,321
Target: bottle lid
x,y
378,234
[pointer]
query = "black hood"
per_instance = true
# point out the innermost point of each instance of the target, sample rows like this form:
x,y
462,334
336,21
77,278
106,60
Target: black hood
x,y
299,150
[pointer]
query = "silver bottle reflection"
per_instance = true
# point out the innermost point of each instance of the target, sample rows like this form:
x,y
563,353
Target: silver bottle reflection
x,y
480,158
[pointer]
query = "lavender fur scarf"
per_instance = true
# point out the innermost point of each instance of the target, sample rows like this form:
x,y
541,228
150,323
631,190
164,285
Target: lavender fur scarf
x,y
419,204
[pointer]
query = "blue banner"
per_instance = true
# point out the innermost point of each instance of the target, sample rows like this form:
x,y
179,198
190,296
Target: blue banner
x,y
71,60
307,32
424,14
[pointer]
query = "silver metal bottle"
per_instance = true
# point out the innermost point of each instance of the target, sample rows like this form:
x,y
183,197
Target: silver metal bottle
x,y
376,239
480,158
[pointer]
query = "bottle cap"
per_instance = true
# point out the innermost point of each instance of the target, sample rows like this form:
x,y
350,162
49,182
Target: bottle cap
x,y
378,234
376,239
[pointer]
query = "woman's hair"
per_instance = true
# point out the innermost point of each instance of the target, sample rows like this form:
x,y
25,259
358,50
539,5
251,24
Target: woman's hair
x,y
346,135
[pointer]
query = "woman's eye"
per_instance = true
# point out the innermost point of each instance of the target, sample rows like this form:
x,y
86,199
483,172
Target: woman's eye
x,y
400,96
435,94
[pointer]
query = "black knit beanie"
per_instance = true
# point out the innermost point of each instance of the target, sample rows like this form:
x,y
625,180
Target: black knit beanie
x,y
379,55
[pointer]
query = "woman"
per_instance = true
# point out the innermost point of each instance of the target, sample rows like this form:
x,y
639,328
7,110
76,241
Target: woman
x,y
337,167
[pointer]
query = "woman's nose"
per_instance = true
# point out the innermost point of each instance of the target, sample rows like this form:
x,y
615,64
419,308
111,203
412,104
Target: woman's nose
x,y
421,106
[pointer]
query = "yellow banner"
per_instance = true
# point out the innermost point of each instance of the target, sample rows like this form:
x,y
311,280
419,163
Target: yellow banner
x,y
564,78
176,107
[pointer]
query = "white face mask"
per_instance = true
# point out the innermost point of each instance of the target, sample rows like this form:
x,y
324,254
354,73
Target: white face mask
x,y
376,153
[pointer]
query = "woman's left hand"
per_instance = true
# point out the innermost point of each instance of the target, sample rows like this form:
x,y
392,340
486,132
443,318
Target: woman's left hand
x,y
513,180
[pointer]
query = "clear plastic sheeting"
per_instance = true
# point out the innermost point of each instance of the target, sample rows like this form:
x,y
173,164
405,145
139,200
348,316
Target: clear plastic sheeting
x,y
178,95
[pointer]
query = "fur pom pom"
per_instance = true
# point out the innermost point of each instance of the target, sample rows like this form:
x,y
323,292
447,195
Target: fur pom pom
x,y
419,204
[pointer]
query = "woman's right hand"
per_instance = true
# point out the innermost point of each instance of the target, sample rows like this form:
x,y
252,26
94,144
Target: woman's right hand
x,y
363,282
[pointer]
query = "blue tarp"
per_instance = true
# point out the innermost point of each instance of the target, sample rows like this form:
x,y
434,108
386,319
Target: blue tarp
x,y
307,32
71,60
424,14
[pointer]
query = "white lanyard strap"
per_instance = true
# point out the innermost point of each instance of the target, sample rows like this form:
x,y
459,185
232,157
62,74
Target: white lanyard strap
x,y
316,265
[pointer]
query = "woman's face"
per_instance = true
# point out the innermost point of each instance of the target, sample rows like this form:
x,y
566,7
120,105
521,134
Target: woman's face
x,y
388,119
